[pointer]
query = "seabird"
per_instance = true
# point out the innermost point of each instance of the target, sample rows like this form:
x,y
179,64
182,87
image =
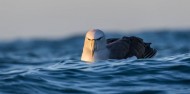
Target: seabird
x,y
97,47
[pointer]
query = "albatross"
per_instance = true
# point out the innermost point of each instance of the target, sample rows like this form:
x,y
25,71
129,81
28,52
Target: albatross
x,y
97,47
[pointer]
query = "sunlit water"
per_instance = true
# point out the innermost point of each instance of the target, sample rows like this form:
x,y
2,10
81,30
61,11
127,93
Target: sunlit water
x,y
54,67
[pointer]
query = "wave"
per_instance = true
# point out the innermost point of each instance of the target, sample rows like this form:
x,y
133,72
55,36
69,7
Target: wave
x,y
54,66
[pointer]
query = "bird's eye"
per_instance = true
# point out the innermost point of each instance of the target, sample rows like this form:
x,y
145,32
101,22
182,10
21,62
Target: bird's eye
x,y
88,39
99,38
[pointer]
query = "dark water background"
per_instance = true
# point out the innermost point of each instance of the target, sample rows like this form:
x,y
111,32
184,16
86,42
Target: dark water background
x,y
53,67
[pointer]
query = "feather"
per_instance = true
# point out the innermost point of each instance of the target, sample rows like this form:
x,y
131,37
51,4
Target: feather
x,y
128,47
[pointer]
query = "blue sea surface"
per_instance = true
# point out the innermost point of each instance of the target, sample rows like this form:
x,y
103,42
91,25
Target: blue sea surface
x,y
41,66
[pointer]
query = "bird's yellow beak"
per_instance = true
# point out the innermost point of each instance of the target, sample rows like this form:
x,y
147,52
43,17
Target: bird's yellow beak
x,y
92,47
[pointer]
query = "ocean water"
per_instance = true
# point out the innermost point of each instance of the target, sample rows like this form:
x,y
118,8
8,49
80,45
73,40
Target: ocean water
x,y
39,66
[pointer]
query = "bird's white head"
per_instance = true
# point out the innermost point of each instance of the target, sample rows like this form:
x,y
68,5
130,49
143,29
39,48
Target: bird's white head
x,y
94,42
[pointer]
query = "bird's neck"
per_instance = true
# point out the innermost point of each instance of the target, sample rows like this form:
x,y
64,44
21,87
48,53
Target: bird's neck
x,y
101,54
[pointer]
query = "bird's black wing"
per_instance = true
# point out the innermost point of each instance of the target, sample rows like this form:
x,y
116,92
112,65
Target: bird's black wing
x,y
112,40
118,48
139,48
128,47
149,52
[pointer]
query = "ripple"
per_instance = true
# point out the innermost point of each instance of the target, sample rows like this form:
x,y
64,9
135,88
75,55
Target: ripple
x,y
54,67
